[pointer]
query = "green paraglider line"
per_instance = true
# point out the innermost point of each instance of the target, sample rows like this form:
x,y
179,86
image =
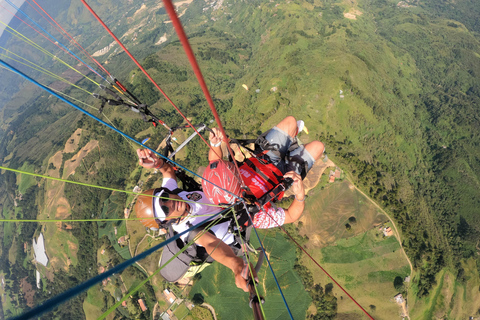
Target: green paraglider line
x,y
67,295
92,220
93,186
11,68
125,297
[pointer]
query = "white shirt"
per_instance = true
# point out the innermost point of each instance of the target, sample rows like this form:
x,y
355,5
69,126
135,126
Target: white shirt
x,y
199,206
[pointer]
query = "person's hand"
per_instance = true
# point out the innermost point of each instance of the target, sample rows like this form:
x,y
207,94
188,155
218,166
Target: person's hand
x,y
242,276
147,159
215,136
297,187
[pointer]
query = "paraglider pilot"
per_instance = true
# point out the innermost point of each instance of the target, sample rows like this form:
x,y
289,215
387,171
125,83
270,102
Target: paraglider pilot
x,y
282,156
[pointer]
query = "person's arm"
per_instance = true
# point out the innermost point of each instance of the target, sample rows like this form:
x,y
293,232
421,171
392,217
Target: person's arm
x,y
215,152
148,160
223,254
295,210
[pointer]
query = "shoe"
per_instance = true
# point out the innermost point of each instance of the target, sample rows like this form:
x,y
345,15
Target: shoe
x,y
301,126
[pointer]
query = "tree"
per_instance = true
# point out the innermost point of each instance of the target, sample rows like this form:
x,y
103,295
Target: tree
x,y
198,299
398,283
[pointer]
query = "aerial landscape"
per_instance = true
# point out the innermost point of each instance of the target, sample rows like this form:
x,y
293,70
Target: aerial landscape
x,y
391,222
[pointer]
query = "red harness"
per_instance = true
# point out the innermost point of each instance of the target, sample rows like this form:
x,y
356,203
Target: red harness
x,y
260,177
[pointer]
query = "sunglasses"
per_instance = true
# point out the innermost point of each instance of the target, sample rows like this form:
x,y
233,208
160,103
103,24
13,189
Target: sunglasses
x,y
165,209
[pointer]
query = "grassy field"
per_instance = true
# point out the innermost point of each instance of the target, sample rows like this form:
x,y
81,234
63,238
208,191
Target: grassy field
x,y
331,208
450,290
112,208
25,181
218,288
361,259
93,304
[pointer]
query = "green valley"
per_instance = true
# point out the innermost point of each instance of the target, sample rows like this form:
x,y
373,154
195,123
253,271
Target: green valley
x,y
392,89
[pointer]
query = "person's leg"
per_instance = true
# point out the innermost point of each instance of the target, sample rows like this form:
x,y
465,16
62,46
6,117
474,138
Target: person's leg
x,y
304,157
288,125
315,148
280,139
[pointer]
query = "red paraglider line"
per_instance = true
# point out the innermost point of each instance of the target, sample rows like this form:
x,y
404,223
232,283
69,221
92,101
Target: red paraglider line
x,y
198,73
37,31
76,43
143,70
318,265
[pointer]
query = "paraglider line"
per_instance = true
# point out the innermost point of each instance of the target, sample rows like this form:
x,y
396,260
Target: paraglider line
x,y
98,187
247,257
106,124
141,68
67,295
78,58
73,39
321,268
40,48
206,229
271,268
198,73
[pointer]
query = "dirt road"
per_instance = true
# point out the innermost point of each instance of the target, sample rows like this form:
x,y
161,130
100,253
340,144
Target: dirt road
x,y
397,235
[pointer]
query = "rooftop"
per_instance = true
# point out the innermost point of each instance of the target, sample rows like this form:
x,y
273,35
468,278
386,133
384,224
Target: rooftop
x,y
39,249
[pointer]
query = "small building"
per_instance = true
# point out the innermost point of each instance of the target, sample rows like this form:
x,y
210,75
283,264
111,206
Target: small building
x,y
169,295
165,316
115,230
334,175
122,240
124,304
337,173
387,232
142,305
126,212
103,251
38,279
399,298
39,250
137,189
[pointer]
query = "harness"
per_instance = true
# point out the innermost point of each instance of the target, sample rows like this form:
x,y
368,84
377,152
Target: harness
x,y
263,146
256,199
259,163
193,255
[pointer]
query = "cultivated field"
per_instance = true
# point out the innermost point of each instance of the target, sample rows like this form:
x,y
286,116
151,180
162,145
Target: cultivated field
x,y
217,285
360,258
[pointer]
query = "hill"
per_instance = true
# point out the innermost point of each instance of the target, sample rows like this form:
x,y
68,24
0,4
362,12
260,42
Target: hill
x,y
392,88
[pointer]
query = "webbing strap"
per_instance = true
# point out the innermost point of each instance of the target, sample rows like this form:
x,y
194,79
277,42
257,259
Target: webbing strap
x,y
258,164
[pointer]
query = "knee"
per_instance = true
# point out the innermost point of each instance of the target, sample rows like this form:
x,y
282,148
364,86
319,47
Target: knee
x,y
315,148
288,125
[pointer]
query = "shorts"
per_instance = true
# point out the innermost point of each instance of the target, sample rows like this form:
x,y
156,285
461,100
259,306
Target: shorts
x,y
292,161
